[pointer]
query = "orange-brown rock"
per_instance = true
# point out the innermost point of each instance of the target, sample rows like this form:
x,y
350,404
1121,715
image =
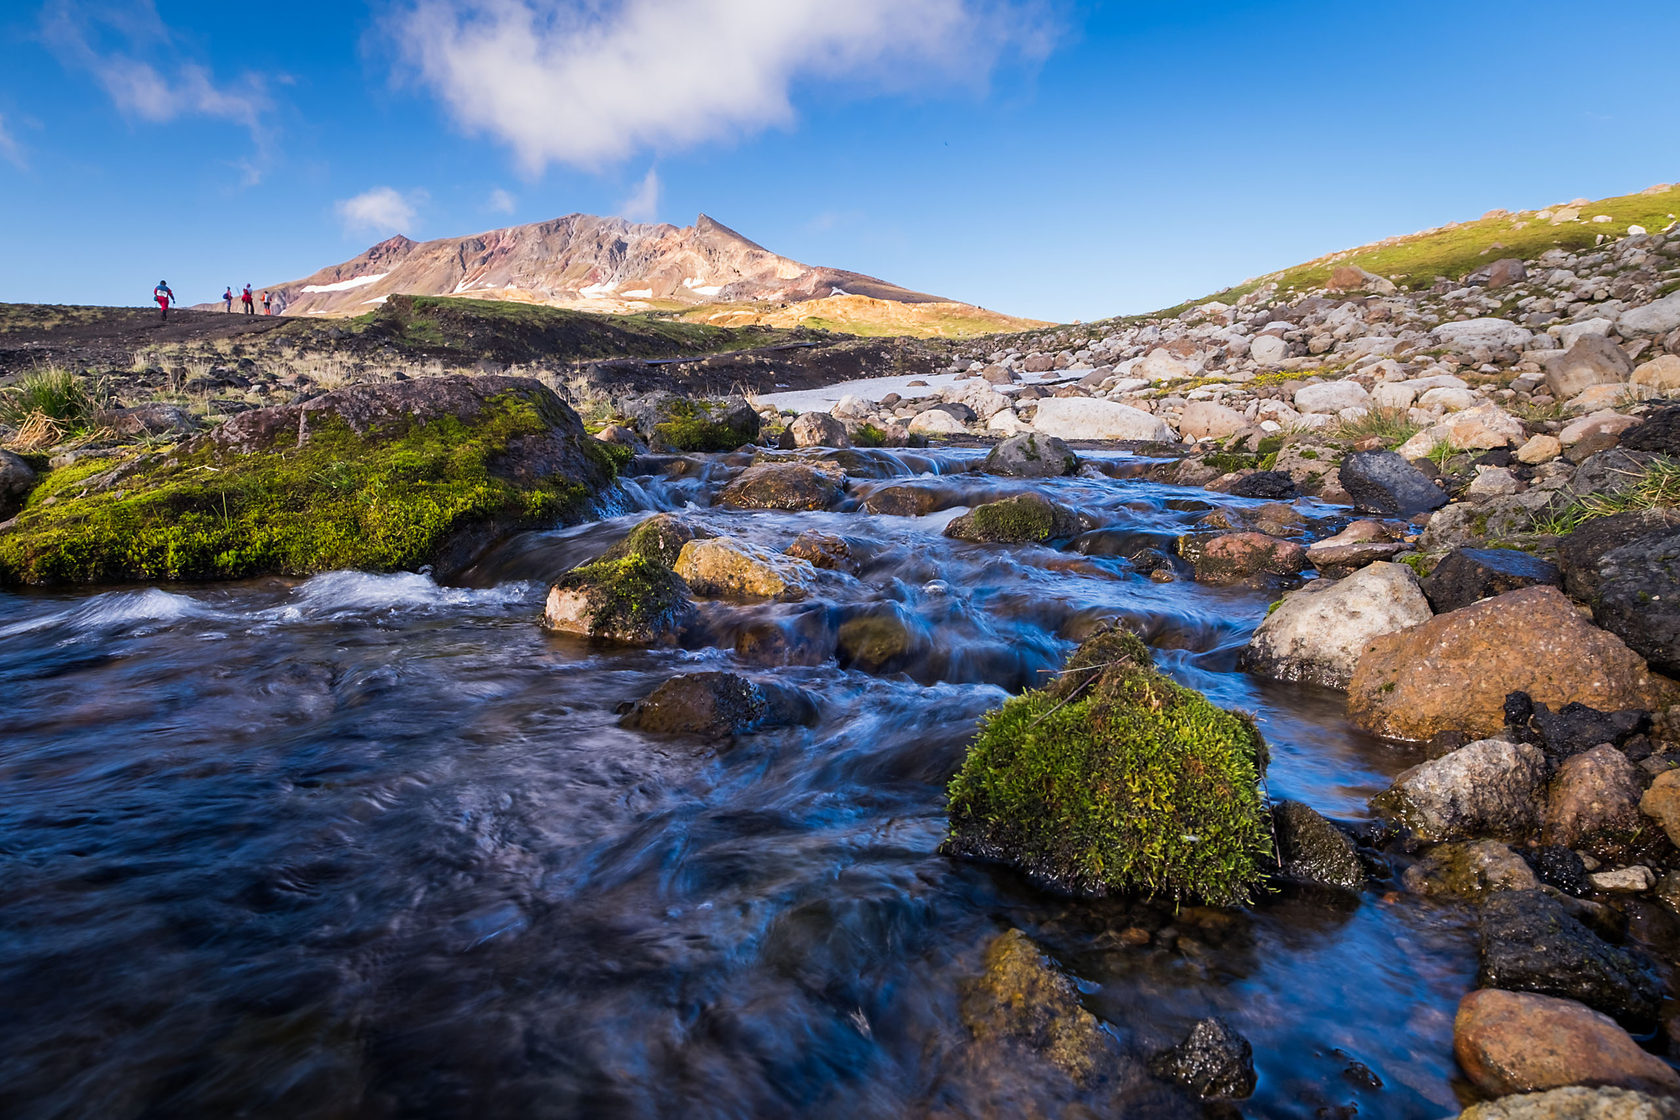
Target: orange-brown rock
x,y
1516,1042
1453,672
1236,556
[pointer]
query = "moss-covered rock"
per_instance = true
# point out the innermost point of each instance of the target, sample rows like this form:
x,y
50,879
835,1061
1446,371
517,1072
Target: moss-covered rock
x,y
675,423
659,538
729,567
789,486
1116,779
1021,519
634,599
375,477
1021,997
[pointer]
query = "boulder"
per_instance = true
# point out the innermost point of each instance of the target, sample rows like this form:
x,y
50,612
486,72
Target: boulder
x,y
717,705
1268,350
981,400
936,422
1331,397
1214,1062
908,499
1483,427
1593,805
1312,850
1454,672
659,538
671,422
17,479
881,639
726,566
1530,943
1447,399
1317,634
1088,418
1382,482
1479,334
1488,788
1659,375
1115,778
1501,273
1636,596
1031,455
1661,803
1576,1103
1468,871
1021,519
1593,360
1600,427
1659,433
819,429
1206,420
154,419
380,477
1361,543
1235,556
1573,728
1658,317
634,600
789,486
1514,1042
1469,575
1580,552
824,550
1021,999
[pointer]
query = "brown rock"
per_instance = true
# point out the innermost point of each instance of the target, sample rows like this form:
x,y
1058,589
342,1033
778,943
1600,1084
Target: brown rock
x,y
1236,556
1662,803
1594,804
1453,672
1515,1042
791,486
824,550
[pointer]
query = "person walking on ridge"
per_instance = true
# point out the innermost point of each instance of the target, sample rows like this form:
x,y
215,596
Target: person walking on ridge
x,y
268,304
245,298
227,298
163,295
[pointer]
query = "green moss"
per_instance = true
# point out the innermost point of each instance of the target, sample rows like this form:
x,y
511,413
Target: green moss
x,y
1025,517
691,426
1225,462
868,435
618,454
1417,563
1023,997
1272,444
632,598
338,500
1268,462
1116,778
659,538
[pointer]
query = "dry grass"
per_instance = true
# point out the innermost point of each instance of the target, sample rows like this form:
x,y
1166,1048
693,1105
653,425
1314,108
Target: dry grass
x,y
1393,426
1656,486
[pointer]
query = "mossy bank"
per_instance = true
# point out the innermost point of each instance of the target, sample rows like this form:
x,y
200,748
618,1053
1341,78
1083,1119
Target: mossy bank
x,y
374,477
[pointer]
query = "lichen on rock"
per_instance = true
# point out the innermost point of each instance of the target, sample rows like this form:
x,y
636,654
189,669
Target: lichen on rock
x,y
633,599
1116,779
1018,520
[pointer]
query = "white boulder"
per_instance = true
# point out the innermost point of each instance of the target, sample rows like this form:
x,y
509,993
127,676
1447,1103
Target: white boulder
x,y
1654,318
1318,633
1332,396
1090,418
1495,334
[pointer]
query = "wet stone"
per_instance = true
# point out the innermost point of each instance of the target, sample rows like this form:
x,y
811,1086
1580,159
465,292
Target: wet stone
x,y
717,705
1274,485
1383,482
1025,518
1032,455
1530,943
1312,850
1214,1062
1469,575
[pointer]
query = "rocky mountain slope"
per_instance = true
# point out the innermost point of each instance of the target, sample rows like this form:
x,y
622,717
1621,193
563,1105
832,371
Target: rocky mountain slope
x,y
583,262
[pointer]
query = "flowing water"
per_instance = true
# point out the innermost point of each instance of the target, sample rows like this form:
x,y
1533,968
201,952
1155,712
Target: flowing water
x,y
364,845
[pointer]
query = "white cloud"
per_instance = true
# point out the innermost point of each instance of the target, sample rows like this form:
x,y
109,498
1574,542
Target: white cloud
x,y
381,210
643,203
116,45
10,150
501,202
589,83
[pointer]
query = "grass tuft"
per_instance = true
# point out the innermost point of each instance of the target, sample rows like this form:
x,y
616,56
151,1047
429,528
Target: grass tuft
x,y
1393,426
1656,486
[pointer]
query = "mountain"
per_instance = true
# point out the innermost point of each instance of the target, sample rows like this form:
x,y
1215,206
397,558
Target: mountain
x,y
585,263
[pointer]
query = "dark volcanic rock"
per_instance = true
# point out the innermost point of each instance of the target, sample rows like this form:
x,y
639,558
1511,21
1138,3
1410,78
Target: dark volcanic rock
x,y
1276,485
1312,850
1383,482
718,705
1660,433
1637,598
1573,728
1530,943
17,479
1214,1061
1580,552
1469,575
1558,868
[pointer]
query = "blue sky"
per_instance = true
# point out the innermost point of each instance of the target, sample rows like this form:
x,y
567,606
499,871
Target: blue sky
x,y
1049,158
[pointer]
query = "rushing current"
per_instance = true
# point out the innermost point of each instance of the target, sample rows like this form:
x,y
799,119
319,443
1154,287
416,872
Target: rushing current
x,y
368,846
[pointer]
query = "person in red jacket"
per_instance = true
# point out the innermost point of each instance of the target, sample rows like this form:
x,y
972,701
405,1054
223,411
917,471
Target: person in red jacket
x,y
245,298
163,295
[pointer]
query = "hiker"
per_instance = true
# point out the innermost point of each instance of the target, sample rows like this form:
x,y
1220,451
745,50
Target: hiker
x,y
163,295
227,298
268,304
245,298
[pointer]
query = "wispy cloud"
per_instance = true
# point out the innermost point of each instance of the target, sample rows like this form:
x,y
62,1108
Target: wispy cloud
x,y
380,210
10,150
589,82
129,51
643,203
501,202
